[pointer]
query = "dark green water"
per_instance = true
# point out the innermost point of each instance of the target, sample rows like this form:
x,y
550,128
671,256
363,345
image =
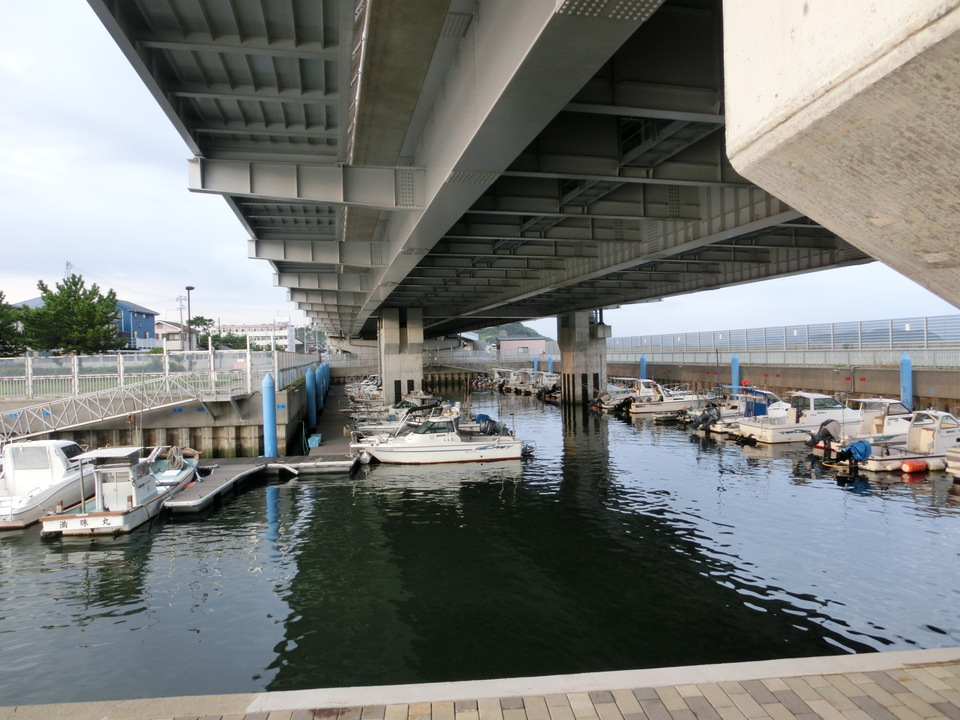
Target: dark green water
x,y
620,546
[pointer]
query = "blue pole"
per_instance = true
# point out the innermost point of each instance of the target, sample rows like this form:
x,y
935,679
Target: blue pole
x,y
550,363
321,388
643,366
906,381
311,398
268,389
735,372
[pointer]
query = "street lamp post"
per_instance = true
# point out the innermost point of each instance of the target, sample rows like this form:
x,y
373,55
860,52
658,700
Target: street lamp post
x,y
189,325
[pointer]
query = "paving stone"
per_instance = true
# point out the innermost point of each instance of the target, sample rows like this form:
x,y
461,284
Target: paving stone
x,y
922,691
671,699
759,692
645,694
561,712
748,706
582,705
826,710
885,681
793,701
928,678
873,708
601,696
904,713
536,707
655,709
396,712
682,715
514,714
420,710
373,712
511,703
803,690
465,705
490,709
557,699
442,710
349,713
717,697
627,702
949,710
701,708
608,711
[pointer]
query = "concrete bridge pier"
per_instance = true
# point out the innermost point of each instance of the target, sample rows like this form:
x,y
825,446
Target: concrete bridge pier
x,y
401,351
582,338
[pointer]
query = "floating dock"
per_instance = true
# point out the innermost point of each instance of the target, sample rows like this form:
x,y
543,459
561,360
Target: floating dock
x,y
201,493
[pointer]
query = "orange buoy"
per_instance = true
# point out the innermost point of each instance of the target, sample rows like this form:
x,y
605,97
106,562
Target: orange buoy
x,y
912,466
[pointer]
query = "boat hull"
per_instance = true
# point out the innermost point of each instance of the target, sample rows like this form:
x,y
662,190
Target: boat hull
x,y
113,522
489,450
17,515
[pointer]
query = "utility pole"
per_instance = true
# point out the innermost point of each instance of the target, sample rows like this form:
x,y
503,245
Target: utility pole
x,y
180,300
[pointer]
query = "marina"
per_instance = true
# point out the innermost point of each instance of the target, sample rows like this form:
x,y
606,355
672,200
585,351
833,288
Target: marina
x,y
624,544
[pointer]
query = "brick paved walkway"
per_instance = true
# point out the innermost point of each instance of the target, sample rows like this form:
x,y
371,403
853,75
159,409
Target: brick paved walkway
x,y
910,685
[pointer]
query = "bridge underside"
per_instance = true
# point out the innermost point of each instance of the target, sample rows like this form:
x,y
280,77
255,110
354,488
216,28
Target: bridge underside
x,y
853,116
481,162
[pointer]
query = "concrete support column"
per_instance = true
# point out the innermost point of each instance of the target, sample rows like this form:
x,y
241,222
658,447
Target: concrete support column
x,y
582,338
401,352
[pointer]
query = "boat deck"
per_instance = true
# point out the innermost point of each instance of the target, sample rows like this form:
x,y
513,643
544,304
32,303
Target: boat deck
x,y
903,685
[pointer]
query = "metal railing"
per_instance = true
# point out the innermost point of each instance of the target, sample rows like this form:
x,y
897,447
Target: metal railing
x,y
930,341
43,378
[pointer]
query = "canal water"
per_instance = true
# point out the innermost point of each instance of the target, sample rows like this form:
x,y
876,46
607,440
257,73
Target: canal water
x,y
621,545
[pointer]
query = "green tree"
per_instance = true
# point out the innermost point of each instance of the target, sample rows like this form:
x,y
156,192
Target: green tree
x,y
73,318
11,336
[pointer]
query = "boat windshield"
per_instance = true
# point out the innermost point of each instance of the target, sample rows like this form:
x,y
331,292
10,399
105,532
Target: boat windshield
x,y
430,427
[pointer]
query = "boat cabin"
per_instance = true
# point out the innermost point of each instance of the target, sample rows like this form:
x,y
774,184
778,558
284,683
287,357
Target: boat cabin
x,y
123,479
29,465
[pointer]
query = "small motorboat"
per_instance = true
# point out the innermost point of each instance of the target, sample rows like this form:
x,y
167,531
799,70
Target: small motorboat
x,y
932,433
39,477
128,490
443,440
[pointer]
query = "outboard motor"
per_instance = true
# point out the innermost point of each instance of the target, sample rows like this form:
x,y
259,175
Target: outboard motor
x,y
829,430
855,451
707,418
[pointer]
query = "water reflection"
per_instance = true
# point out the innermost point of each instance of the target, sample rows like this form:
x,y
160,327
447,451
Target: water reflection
x,y
620,545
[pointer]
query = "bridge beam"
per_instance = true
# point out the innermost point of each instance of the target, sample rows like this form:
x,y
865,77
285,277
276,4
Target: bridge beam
x,y
375,187
850,112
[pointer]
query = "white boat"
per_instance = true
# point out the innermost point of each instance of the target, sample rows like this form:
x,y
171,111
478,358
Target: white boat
x,y
883,421
808,411
39,477
619,393
442,440
930,435
651,397
129,490
724,415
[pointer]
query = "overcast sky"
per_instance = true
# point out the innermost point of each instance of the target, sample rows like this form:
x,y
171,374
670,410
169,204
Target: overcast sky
x,y
93,180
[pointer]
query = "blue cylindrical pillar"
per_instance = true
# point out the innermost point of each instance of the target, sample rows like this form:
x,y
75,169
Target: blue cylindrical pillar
x,y
536,363
550,363
735,372
321,386
311,398
643,366
268,389
906,381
